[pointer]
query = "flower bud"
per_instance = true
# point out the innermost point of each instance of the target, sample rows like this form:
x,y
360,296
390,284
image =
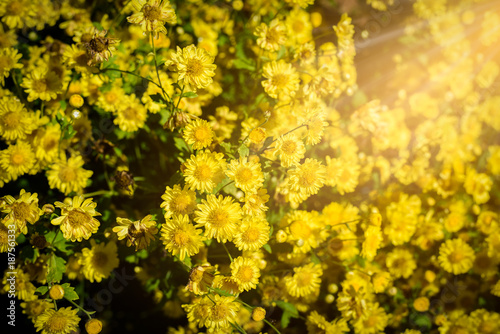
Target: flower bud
x,y
258,314
93,326
76,101
56,292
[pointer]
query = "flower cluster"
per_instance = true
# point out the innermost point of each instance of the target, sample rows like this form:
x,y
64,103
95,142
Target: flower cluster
x,y
245,167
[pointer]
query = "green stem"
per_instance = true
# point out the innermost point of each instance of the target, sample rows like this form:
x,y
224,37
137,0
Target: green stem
x,y
218,191
180,98
230,257
80,308
156,67
97,193
270,325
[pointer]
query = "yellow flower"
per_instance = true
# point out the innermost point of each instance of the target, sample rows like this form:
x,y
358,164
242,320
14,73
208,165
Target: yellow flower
x,y
255,203
42,83
373,321
99,261
201,278
307,178
24,288
21,211
247,175
8,60
421,304
131,114
282,79
36,307
77,220
219,216
195,66
304,230
18,13
252,234
478,185
400,263
152,15
271,37
138,233
17,159
67,175
204,171
198,133
305,281
177,201
223,311
111,100
46,142
381,281
245,272
99,47
181,237
456,256
317,324
63,321
290,150
372,242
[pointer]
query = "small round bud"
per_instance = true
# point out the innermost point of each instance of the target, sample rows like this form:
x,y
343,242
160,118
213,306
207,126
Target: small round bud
x,y
93,326
281,236
421,304
333,288
430,276
375,219
76,101
257,135
316,19
56,292
237,5
329,298
258,314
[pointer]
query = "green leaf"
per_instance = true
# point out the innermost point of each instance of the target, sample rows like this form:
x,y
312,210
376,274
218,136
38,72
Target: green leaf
x,y
423,321
42,290
243,150
285,319
244,65
281,52
69,292
315,259
181,144
267,248
288,307
60,242
189,95
56,269
228,149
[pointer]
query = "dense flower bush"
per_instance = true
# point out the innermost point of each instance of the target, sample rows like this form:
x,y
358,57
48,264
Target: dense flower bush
x,y
250,166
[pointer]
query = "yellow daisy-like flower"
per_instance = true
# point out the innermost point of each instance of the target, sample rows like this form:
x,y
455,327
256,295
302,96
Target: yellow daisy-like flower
x,y
219,216
111,100
282,79
252,234
304,229
373,321
478,185
204,171
198,133
18,13
305,281
99,261
46,143
42,83
8,60
247,175
24,289
316,324
131,114
36,307
180,237
177,201
290,150
67,175
21,211
400,263
4,237
255,203
18,159
245,272
63,321
77,220
152,15
456,256
195,66
138,233
307,178
271,37
372,242
99,47
198,311
222,312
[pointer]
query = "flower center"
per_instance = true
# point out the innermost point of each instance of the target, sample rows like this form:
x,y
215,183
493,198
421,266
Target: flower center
x,y
11,120
218,218
77,218
371,321
181,203
15,8
40,85
279,80
194,67
219,312
100,259
21,211
67,174
110,97
151,13
298,26
49,144
181,238
97,45
245,274
17,158
303,279
300,230
244,175
307,178
56,323
456,257
130,114
289,147
203,173
202,134
251,235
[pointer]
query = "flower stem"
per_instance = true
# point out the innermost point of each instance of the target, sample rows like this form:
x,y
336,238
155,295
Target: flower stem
x,y
269,323
81,308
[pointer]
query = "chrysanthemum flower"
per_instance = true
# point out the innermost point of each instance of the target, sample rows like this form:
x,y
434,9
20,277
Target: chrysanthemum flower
x,y
99,261
219,216
77,220
8,60
131,114
198,133
181,237
290,150
198,311
271,37
152,15
201,278
245,272
456,256
111,100
487,322
381,281
36,307
22,210
400,263
63,321
222,312
4,237
42,83
252,234
195,66
67,175
204,171
255,203
304,230
17,13
17,159
307,178
138,233
25,290
99,47
373,321
348,179
372,242
46,142
478,185
247,175
177,201
316,324
282,79
305,281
